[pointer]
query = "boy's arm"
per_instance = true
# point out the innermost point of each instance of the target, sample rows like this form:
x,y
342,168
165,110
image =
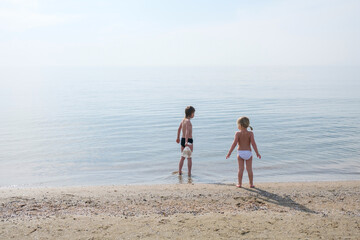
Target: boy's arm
x,y
232,146
253,143
178,133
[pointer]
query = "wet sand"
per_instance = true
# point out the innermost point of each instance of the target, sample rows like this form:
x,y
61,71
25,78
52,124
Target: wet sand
x,y
313,210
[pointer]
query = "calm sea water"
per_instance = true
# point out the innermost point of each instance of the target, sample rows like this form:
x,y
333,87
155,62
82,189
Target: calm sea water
x,y
105,126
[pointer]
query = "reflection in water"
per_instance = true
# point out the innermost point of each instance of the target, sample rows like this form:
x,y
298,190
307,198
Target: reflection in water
x,y
181,180
190,180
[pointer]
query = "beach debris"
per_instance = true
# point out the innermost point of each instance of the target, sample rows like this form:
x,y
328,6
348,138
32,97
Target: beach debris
x,y
194,201
164,221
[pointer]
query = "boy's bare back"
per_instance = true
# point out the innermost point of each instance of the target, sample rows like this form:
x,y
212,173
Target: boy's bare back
x,y
186,128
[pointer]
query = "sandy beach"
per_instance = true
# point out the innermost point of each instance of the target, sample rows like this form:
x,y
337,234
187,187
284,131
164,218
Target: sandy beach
x,y
311,210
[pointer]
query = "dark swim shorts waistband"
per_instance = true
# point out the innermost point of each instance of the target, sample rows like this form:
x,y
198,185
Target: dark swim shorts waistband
x,y
190,140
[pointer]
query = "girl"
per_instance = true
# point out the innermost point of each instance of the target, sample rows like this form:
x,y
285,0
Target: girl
x,y
244,138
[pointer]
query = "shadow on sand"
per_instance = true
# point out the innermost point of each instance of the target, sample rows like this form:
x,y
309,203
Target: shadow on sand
x,y
285,201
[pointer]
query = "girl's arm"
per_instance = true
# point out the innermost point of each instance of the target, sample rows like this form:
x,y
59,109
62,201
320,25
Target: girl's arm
x,y
253,143
232,146
178,133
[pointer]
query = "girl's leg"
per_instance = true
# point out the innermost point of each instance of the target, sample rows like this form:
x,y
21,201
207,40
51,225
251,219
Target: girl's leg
x,y
189,160
241,170
250,172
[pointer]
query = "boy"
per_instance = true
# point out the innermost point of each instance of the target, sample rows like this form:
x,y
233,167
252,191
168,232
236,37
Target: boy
x,y
186,140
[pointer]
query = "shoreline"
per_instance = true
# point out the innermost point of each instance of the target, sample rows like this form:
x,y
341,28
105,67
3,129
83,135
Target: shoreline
x,y
166,184
329,209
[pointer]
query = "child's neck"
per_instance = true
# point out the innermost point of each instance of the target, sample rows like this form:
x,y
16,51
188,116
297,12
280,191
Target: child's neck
x,y
243,129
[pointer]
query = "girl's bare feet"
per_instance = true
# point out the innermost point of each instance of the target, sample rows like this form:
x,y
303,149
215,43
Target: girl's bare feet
x,y
252,186
238,186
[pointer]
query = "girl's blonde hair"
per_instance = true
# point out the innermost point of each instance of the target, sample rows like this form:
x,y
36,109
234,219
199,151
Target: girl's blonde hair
x,y
244,122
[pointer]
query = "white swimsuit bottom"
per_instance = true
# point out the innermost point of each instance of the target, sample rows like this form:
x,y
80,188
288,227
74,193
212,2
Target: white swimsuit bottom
x,y
244,154
186,153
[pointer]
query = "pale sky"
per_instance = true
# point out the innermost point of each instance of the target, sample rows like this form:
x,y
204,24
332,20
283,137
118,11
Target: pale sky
x,y
179,33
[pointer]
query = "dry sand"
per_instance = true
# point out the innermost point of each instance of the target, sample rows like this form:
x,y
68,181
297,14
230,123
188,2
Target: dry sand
x,y
312,210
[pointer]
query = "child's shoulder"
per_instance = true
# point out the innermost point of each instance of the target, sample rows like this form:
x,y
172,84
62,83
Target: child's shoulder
x,y
244,132
249,132
186,120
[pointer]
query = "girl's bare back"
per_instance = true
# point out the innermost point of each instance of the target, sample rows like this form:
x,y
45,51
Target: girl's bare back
x,y
244,140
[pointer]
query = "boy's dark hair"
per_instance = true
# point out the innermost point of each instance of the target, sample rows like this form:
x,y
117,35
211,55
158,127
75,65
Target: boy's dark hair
x,y
188,111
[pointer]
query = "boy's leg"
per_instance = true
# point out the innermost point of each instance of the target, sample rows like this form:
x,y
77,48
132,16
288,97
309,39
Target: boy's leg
x,y
241,170
189,160
181,163
249,170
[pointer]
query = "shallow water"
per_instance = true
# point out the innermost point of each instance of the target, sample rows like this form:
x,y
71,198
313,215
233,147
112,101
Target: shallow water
x,y
104,126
